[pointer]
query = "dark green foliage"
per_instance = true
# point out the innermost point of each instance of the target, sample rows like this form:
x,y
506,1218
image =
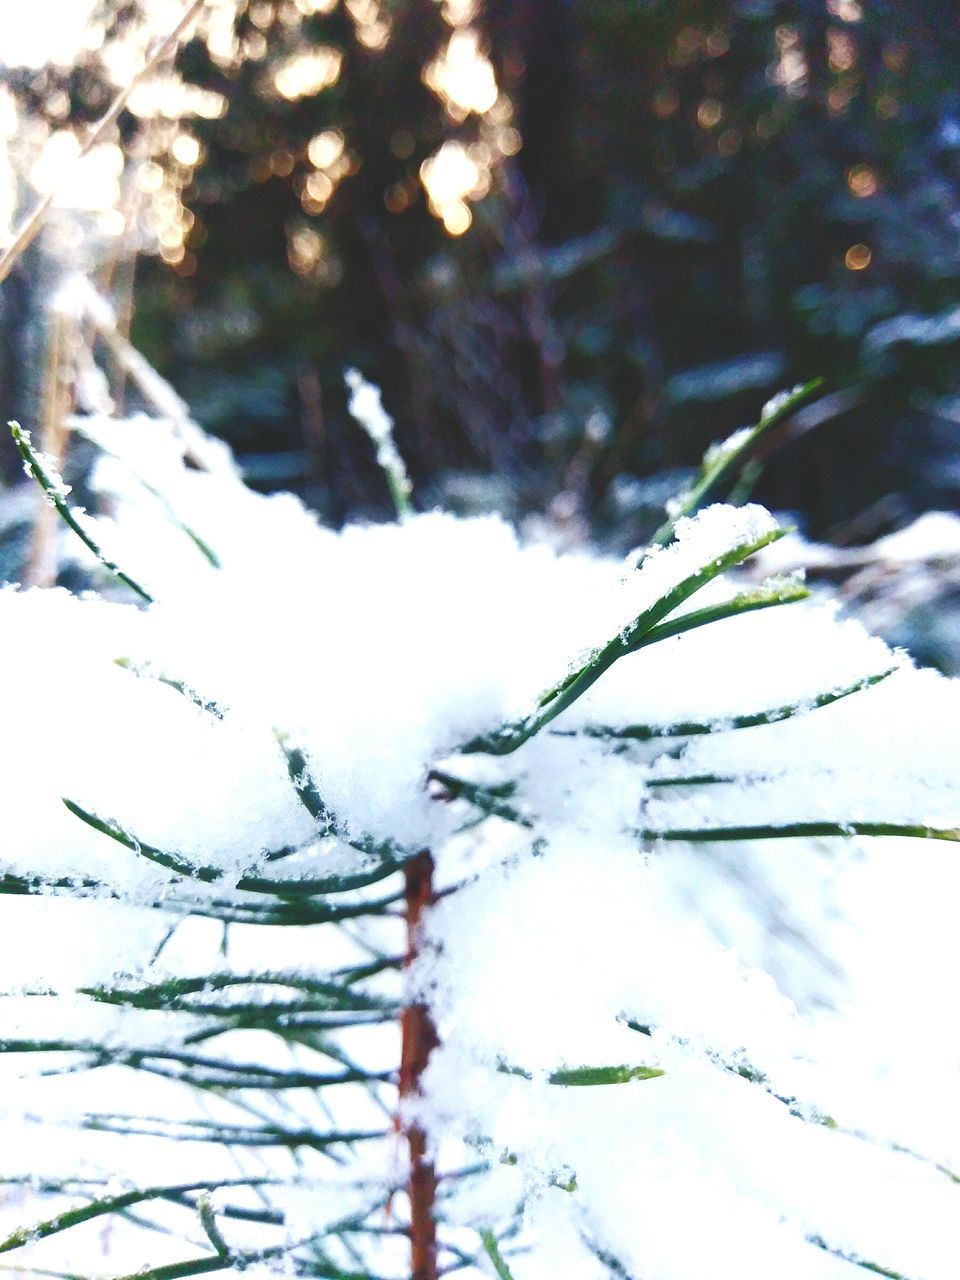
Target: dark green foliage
x,y
672,242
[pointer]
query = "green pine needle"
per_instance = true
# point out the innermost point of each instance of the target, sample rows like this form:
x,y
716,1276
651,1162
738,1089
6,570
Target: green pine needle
x,y
645,629
569,1077
799,830
53,489
721,463
692,728
492,1250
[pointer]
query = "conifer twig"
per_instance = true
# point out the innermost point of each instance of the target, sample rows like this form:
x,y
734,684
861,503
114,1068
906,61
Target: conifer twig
x,y
55,492
722,461
692,728
799,830
492,1249
647,628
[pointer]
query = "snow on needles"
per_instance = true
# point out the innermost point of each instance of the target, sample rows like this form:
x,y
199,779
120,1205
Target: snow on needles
x,y
785,1006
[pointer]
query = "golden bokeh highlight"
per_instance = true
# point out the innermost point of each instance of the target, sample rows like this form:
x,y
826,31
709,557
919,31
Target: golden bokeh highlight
x,y
303,75
325,148
858,257
463,76
371,23
862,181
139,195
452,176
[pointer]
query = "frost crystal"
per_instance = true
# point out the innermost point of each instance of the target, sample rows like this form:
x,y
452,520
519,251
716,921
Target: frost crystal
x,y
776,403
717,452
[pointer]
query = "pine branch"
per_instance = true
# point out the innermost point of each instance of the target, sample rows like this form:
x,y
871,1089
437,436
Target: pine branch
x,y
227,1135
182,867
722,461
310,911
113,1204
492,1250
873,1267
511,736
692,728
798,830
55,493
572,1077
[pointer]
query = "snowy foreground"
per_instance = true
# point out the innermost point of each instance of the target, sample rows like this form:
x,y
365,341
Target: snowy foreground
x,y
642,881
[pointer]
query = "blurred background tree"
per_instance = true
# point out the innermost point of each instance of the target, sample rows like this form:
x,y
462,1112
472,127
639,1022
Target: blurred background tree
x,y
572,242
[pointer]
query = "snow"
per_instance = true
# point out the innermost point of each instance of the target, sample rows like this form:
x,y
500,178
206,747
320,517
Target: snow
x,y
933,536
797,994
699,540
367,409
608,936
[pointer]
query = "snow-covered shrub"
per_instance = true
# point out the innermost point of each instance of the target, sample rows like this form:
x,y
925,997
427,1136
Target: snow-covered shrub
x,y
615,869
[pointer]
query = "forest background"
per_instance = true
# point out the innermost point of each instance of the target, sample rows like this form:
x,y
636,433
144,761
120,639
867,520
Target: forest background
x,y
573,243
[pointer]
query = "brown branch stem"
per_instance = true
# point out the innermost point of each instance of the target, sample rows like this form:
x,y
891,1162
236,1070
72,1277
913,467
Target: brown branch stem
x,y
419,1038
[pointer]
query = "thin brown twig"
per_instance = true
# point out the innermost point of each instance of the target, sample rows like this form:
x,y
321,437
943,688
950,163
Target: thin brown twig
x,y
419,1039
34,221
